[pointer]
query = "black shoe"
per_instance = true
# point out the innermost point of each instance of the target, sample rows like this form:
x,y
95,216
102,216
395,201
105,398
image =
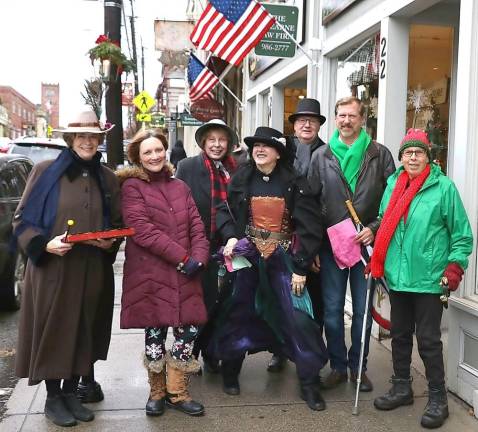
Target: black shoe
x,y
57,412
77,409
365,383
311,395
155,407
190,407
333,379
231,387
436,411
230,370
400,394
276,363
211,365
90,392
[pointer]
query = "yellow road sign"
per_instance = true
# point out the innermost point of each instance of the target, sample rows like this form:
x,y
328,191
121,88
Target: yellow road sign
x,y
143,117
143,101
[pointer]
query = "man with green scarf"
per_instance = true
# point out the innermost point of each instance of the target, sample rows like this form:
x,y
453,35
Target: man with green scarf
x,y
352,167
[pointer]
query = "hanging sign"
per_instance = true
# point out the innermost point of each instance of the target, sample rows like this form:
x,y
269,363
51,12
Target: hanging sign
x,y
206,109
276,42
188,120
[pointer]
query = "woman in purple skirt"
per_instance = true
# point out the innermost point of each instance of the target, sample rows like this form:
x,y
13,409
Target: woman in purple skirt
x,y
273,220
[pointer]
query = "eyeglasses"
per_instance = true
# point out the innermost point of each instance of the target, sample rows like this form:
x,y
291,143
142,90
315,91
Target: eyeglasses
x,y
312,121
418,153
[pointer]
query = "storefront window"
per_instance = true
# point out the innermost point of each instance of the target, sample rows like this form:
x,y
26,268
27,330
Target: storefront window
x,y
357,75
429,70
292,96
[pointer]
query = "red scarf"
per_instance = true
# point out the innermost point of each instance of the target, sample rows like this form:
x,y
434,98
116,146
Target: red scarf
x,y
397,207
219,179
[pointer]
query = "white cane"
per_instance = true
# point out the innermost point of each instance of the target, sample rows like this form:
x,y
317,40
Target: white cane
x,y
355,410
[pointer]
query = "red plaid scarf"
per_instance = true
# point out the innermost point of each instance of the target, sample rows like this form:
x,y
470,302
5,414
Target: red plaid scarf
x,y
397,207
220,178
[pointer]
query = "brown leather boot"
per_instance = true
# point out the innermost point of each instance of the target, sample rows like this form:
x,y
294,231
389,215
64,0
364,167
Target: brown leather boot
x,y
177,381
157,382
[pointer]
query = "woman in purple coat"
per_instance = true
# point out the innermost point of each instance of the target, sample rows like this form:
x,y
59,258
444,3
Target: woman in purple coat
x,y
161,282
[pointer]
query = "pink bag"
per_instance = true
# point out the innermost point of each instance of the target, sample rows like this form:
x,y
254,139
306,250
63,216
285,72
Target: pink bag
x,y
346,250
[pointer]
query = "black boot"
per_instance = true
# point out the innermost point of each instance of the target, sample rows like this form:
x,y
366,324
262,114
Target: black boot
x,y
211,365
57,412
436,410
276,363
77,409
400,394
230,370
90,392
309,392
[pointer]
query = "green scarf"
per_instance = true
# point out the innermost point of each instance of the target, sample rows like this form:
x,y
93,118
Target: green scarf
x,y
350,157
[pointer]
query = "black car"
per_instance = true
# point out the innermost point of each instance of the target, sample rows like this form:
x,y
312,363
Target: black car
x,y
14,171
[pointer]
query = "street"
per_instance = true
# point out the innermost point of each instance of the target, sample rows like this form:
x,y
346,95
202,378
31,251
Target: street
x,y
8,339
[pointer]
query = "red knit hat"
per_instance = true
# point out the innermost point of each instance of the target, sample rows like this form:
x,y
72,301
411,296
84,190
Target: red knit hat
x,y
415,138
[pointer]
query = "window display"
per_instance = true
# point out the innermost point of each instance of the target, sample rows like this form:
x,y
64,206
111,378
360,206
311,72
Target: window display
x,y
357,75
429,70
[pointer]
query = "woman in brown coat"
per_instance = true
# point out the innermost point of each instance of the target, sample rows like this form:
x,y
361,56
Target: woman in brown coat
x,y
64,325
161,277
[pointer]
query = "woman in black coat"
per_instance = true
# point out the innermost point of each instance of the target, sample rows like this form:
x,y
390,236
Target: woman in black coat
x,y
177,153
272,219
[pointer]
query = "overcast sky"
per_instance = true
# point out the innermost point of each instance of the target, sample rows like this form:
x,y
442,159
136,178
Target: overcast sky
x,y
47,41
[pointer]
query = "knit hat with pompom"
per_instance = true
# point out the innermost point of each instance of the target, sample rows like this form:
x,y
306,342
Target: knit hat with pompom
x,y
415,138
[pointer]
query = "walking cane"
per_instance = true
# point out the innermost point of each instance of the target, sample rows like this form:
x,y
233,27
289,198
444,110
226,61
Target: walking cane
x,y
366,253
355,409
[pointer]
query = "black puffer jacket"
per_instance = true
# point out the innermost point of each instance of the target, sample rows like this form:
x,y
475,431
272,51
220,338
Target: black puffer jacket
x,y
233,215
325,172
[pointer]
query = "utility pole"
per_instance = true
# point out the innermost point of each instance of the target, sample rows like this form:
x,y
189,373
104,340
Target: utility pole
x,y
114,139
142,61
135,57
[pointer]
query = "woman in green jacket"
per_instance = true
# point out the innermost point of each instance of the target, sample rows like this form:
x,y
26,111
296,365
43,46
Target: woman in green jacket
x,y
422,248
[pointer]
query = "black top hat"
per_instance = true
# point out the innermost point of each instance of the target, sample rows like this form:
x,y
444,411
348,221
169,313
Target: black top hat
x,y
269,136
307,107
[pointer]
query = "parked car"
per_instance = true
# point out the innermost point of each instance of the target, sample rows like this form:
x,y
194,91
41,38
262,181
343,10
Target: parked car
x,y
5,143
37,149
14,171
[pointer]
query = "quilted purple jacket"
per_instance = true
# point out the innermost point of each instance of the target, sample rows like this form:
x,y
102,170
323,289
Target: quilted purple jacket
x,y
168,228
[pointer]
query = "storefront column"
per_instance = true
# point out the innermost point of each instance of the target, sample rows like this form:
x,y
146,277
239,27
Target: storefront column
x,y
462,376
277,108
393,76
327,82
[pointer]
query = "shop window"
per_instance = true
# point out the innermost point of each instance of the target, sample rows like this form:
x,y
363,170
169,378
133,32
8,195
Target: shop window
x,y
429,70
357,75
291,99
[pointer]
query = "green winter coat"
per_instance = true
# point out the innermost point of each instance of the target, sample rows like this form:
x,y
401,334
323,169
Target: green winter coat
x,y
437,232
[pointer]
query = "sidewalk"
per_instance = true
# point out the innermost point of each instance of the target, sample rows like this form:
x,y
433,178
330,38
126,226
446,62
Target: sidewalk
x,y
268,402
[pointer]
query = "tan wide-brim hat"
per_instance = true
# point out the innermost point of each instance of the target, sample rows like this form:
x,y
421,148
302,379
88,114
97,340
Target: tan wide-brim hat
x,y
85,122
216,124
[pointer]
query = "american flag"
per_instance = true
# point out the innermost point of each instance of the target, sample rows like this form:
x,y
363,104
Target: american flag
x,y
201,80
231,28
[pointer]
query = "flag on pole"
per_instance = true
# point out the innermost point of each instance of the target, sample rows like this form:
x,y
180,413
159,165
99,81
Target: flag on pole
x,y
231,28
201,80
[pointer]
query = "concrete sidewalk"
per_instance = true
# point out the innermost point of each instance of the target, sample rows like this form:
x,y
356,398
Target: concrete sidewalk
x,y
268,402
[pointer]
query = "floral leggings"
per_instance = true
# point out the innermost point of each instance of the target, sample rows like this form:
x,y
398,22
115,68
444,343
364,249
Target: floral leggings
x,y
182,348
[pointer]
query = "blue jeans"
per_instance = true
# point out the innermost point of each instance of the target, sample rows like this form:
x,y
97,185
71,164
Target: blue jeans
x,y
334,287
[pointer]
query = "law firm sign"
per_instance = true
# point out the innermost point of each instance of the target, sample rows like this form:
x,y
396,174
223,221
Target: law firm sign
x,y
276,42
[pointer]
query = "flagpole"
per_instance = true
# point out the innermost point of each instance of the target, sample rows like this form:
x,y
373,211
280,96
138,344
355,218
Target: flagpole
x,y
231,93
296,43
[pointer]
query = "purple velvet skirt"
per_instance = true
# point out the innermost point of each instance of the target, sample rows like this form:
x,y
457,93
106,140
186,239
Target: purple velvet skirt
x,y
258,314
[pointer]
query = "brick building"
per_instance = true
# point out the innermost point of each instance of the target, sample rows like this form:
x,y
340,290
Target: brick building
x,y
50,101
21,112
